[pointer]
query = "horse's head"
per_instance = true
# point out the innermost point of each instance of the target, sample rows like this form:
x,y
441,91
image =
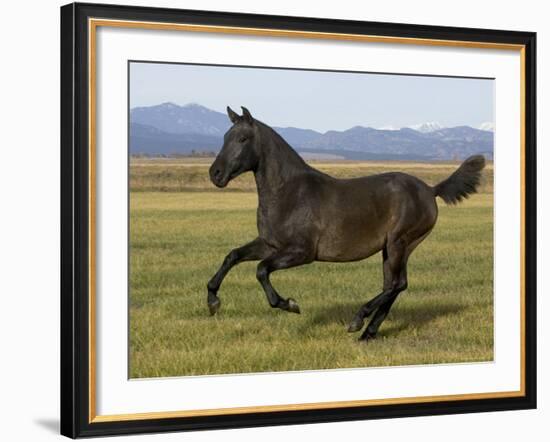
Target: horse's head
x,y
239,152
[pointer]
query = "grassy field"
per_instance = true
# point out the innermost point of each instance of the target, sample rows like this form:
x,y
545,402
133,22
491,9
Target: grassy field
x,y
181,229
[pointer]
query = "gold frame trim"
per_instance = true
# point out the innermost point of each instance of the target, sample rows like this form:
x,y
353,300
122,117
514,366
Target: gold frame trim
x,y
93,24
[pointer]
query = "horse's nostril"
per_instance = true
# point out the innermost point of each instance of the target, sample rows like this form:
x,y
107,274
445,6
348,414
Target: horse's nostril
x,y
217,173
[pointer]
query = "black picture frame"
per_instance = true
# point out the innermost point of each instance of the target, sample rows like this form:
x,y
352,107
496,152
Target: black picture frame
x,y
75,219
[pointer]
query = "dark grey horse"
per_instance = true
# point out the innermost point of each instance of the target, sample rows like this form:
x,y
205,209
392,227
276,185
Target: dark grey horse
x,y
305,215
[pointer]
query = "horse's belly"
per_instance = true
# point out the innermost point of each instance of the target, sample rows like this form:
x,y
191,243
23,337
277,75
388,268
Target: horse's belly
x,y
341,247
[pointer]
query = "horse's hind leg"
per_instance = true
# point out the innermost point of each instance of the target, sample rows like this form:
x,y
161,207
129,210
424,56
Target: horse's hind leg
x,y
374,324
256,249
395,281
382,311
283,259
395,256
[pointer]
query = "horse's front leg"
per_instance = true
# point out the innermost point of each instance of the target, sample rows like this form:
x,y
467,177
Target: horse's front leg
x,y
252,251
283,259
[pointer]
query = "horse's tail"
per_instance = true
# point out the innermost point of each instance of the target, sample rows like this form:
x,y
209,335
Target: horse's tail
x,y
462,182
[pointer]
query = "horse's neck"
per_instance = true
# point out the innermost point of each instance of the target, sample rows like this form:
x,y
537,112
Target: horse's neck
x,y
278,164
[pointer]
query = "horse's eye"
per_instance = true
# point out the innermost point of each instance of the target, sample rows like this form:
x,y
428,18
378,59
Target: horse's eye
x,y
242,139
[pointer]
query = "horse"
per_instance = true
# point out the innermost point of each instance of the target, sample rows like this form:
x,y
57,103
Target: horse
x,y
305,215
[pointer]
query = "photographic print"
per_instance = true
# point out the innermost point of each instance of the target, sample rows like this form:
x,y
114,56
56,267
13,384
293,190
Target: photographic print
x,y
273,220
300,219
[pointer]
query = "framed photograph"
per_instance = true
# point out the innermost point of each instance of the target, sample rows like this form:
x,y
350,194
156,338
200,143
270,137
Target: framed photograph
x,y
274,220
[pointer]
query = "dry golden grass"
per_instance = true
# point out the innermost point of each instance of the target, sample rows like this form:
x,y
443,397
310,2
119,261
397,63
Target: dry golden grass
x,y
176,175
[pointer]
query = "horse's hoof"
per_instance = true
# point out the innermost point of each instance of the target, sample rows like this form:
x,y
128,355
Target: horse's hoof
x,y
367,337
355,325
214,305
293,306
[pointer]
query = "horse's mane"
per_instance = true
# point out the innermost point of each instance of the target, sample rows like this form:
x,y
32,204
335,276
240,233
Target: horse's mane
x,y
283,151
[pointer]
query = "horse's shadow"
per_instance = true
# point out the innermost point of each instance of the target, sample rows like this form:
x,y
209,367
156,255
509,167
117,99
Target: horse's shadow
x,y
403,315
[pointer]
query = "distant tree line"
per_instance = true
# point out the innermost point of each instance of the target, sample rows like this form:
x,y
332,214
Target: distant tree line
x,y
193,154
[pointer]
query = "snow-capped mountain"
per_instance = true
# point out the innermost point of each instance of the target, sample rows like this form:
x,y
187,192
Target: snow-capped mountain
x,y
430,126
388,127
488,125
169,128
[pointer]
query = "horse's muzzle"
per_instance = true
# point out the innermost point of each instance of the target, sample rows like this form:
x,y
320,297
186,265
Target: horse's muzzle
x,y
217,175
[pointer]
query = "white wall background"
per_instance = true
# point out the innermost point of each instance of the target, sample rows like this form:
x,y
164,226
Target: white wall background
x,y
29,220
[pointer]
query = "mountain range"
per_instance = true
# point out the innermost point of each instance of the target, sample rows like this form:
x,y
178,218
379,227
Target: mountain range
x,y
168,129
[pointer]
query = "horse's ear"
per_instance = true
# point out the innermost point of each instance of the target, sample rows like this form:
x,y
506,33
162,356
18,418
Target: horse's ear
x,y
246,115
233,116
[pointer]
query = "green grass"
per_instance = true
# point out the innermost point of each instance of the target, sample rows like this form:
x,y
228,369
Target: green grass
x,y
179,239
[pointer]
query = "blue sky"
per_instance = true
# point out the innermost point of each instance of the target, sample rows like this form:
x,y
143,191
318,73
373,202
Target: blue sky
x,y
317,100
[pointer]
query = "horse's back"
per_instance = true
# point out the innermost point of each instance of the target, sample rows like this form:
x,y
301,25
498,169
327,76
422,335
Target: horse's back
x,y
359,214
